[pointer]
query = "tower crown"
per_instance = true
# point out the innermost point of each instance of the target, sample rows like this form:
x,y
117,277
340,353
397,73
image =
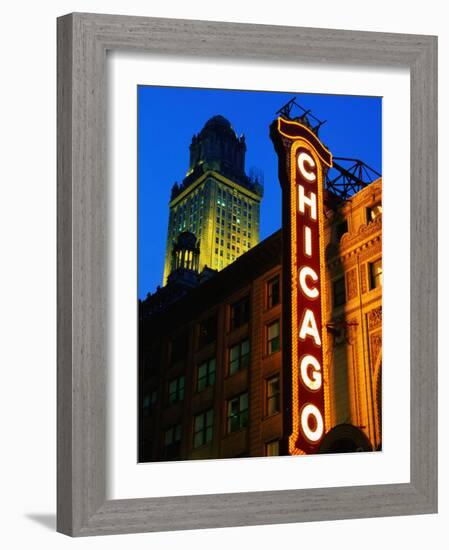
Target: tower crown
x,y
217,147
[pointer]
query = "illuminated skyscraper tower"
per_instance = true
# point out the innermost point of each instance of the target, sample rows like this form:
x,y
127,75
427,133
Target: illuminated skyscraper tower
x,y
216,201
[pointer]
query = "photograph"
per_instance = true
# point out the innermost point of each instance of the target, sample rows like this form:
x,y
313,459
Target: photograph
x,y
259,273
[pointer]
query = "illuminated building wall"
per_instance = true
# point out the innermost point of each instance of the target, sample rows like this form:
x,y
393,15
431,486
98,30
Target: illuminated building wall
x,y
354,311
216,201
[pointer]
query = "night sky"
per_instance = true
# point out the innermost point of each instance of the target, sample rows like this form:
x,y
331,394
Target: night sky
x,y
168,117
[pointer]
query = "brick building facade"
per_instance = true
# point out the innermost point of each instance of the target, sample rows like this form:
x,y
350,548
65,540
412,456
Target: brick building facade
x,y
211,375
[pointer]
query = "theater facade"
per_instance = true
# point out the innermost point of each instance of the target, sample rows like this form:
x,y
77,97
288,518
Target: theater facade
x,y
277,352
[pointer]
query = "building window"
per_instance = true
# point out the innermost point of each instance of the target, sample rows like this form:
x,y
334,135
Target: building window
x,y
273,292
203,428
341,229
273,338
179,347
207,331
237,414
239,312
239,357
373,212
375,274
172,442
339,292
206,375
176,390
272,448
273,395
149,401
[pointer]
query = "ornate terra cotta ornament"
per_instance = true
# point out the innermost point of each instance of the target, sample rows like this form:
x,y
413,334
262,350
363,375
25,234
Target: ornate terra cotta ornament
x,y
374,318
375,347
351,283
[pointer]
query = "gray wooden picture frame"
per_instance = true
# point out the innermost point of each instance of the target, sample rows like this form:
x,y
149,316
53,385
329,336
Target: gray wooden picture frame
x,y
83,40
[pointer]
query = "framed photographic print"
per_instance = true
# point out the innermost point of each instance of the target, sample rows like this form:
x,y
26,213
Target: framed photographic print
x,y
230,351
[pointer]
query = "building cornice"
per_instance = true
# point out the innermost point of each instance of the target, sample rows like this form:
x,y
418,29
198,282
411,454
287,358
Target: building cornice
x,y
219,177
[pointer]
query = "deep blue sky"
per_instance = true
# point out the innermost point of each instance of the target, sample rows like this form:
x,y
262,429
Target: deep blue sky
x,y
353,129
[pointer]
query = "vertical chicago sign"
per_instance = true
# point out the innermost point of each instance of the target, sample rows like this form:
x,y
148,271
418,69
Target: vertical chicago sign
x,y
303,160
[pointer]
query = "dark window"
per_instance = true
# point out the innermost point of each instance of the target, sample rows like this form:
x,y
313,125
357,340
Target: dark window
x,y
273,338
339,292
172,442
273,292
273,393
373,212
207,331
206,375
179,347
203,428
341,229
153,362
272,448
237,414
149,402
239,357
176,390
240,312
375,274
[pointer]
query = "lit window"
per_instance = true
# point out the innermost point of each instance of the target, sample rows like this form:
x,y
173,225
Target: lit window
x,y
373,212
272,448
239,357
273,338
176,390
203,428
273,395
375,272
273,292
237,413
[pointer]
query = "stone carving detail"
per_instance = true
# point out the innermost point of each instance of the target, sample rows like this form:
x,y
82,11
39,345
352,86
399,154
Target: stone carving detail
x,y
351,284
374,318
375,347
365,251
363,277
365,231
